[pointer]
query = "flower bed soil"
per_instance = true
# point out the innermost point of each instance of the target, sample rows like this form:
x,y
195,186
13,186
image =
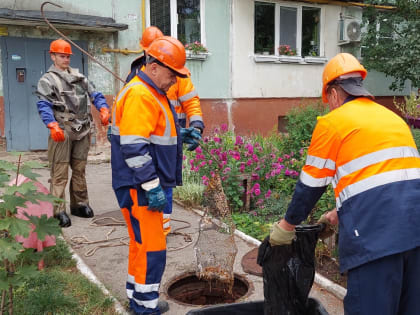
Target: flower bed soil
x,y
329,268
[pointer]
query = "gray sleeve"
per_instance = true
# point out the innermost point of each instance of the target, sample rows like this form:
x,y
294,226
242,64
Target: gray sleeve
x,y
45,90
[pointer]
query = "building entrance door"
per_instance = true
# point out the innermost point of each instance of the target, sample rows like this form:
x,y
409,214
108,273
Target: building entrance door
x,y
24,61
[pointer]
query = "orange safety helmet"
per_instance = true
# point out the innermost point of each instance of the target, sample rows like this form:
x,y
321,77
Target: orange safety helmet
x,y
149,35
170,52
341,64
60,46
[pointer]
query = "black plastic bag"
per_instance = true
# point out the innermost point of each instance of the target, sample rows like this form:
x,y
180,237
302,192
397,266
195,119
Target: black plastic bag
x,y
252,308
289,272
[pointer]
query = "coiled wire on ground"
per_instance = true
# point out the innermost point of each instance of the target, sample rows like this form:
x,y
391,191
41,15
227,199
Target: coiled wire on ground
x,y
81,241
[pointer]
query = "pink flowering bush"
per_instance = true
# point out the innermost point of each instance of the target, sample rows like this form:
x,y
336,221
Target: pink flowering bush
x,y
196,47
240,159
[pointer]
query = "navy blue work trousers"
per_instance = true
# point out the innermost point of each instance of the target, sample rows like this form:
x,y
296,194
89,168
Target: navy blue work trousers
x,y
386,286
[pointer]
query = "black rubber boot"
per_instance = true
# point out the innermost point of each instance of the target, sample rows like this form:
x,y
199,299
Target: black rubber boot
x,y
163,307
64,219
84,211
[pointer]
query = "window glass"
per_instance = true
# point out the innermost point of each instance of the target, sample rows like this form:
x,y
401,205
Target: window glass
x,y
264,28
385,31
189,21
160,15
288,26
310,31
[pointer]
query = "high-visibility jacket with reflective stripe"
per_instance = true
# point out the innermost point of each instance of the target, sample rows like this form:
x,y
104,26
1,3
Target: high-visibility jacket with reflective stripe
x,y
182,96
186,102
144,141
368,154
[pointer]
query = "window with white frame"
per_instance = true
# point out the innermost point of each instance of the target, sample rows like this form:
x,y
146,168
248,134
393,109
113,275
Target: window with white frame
x,y
181,19
287,29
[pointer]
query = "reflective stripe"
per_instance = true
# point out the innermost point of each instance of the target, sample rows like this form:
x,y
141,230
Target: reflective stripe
x,y
166,216
337,203
320,162
115,130
195,118
162,140
146,288
376,157
130,293
181,115
166,225
123,91
187,96
147,304
130,279
133,140
310,181
167,133
138,161
143,288
166,139
175,103
377,180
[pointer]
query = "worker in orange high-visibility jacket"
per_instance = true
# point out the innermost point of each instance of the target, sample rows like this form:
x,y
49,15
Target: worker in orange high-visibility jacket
x,y
182,94
368,154
146,159
184,98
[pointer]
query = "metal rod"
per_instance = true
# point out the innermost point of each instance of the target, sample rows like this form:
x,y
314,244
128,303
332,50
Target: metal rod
x,y
77,46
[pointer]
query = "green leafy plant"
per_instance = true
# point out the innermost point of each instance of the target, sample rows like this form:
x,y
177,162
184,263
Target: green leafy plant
x,y
285,50
391,41
241,160
416,136
410,108
13,275
196,47
301,121
252,225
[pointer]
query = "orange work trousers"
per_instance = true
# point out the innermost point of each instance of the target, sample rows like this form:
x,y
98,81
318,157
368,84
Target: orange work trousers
x,y
147,250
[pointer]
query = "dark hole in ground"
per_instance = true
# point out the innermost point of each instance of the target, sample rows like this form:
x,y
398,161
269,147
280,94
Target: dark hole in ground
x,y
191,290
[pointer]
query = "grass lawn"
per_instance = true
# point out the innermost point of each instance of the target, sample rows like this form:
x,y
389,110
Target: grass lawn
x,y
60,289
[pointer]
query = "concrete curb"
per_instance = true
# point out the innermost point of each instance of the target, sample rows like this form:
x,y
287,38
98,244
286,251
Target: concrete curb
x,y
87,272
335,289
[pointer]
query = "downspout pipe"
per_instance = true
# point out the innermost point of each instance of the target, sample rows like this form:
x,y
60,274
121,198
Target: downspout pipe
x,y
126,51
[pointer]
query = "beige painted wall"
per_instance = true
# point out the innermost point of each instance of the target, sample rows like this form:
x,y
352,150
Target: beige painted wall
x,y
251,79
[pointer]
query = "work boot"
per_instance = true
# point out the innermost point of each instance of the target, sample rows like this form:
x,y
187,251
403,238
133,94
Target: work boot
x,y
162,305
83,211
63,218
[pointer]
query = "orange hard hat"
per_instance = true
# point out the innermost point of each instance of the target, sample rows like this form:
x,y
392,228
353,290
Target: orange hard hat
x,y
170,52
149,35
341,64
60,46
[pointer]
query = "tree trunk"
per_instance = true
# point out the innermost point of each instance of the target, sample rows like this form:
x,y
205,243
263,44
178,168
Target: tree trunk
x,y
3,300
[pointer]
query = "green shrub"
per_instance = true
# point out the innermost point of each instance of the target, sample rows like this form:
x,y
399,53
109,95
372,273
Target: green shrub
x,y
416,136
301,122
252,225
190,194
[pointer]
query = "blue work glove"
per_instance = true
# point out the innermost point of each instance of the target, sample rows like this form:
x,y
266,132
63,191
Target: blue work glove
x,y
192,136
157,199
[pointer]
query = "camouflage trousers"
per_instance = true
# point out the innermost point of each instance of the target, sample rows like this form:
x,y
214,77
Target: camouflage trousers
x,y
61,156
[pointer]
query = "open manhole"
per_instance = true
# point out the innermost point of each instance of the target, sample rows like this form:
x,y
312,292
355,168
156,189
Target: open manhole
x,y
188,289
